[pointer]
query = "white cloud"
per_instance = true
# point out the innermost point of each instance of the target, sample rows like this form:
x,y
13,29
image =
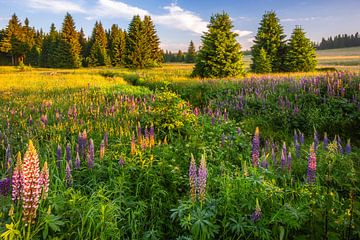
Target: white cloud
x,y
305,19
115,9
56,6
181,19
250,40
242,33
174,46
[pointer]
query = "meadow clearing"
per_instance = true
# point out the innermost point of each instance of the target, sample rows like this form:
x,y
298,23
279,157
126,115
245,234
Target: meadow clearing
x,y
155,154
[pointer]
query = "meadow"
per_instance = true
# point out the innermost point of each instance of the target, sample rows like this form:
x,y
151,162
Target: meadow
x,y
155,154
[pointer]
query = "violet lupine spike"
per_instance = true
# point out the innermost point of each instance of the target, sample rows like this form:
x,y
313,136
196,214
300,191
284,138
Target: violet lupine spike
x,y
17,179
256,148
31,120
256,216
273,156
102,150
348,147
152,136
302,139
77,161
202,177
297,149
193,178
58,156
238,131
91,154
295,137
147,137
289,162
68,152
5,185
311,174
121,162
326,141
133,147
68,176
225,115
283,156
264,162
316,140
341,149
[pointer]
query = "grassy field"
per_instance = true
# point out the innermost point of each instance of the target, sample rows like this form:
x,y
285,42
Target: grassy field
x,y
341,58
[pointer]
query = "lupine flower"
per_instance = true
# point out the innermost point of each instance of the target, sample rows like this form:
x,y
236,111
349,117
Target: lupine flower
x,y
283,156
295,137
273,157
147,138
297,149
31,188
133,149
68,153
17,179
58,156
348,147
326,141
257,213
256,148
225,115
121,162
152,136
202,175
5,186
193,178
91,154
8,160
44,180
77,161
341,149
311,174
239,131
302,138
102,150
316,140
139,134
30,120
68,176
289,161
264,162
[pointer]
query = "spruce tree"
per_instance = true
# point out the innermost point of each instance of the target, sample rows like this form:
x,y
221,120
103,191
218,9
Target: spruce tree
x,y
263,63
152,40
69,51
50,49
300,56
191,54
98,50
270,37
220,55
136,48
84,53
117,45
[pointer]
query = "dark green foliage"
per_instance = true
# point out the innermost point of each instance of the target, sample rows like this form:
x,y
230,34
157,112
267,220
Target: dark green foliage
x,y
69,46
98,47
117,45
300,55
271,38
262,62
191,53
153,42
51,44
220,55
340,41
84,47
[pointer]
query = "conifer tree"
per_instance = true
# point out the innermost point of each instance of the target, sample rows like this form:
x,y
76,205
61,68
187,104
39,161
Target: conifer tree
x,y
300,56
136,49
98,47
191,54
84,53
270,37
69,51
220,55
117,45
152,40
262,63
50,48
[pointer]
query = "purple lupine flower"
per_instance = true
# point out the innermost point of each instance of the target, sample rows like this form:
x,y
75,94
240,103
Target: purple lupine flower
x,y
225,115
106,139
283,156
102,150
341,149
202,176
5,186
348,147
91,154
58,155
17,179
238,131
289,162
8,159
316,140
273,156
121,162
311,174
256,216
302,138
68,152
77,161
266,146
31,120
326,141
295,137
152,136
297,149
264,162
193,178
256,148
68,176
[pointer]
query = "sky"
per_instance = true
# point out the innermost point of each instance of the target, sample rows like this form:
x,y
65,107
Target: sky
x,y
179,21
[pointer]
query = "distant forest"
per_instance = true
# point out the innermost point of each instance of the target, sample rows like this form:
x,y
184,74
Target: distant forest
x,y
339,41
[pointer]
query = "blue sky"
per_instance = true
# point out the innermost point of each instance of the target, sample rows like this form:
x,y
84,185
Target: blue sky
x,y
178,22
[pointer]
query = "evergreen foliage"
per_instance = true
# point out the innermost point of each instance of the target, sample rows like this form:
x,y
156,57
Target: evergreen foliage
x,y
84,53
300,55
117,45
220,55
50,48
271,38
153,41
340,41
263,64
136,50
191,53
98,50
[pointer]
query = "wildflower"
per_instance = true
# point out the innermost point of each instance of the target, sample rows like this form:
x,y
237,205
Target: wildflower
x,y
8,160
302,138
58,156
316,140
192,178
147,138
289,161
273,157
30,120
152,136
311,174
68,152
238,131
341,149
264,163
5,186
68,176
326,141
91,154
297,149
77,161
121,162
255,148
348,147
31,188
283,156
133,149
17,179
102,150
44,180
202,175
257,213
225,115
139,134
295,137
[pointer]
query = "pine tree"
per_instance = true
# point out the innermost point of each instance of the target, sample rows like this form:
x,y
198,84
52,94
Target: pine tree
x,y
153,41
263,63
300,56
50,49
220,55
136,49
117,45
191,54
180,56
69,51
98,50
270,37
84,53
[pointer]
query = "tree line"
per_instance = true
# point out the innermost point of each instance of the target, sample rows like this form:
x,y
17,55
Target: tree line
x,y
188,57
138,47
339,41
